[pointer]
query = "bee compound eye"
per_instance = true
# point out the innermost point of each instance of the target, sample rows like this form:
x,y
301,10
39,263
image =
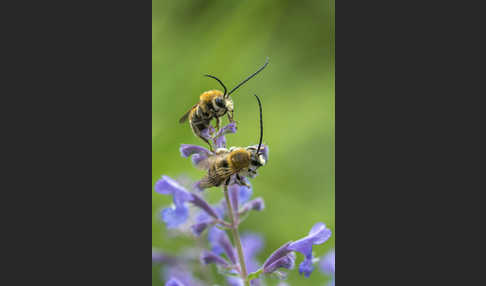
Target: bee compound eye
x,y
219,102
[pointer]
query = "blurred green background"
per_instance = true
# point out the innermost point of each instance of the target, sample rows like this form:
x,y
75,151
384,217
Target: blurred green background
x,y
231,39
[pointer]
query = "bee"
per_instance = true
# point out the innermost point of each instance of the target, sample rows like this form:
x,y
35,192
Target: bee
x,y
213,104
242,162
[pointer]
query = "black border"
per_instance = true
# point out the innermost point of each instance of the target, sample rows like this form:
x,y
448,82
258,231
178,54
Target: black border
x,y
406,130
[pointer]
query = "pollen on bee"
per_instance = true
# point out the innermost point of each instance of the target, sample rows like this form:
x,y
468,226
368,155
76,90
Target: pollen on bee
x,y
210,94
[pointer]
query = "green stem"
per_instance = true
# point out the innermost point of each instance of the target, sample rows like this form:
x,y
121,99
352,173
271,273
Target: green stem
x,y
236,238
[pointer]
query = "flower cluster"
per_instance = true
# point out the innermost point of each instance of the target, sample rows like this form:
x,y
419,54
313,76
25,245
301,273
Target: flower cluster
x,y
236,258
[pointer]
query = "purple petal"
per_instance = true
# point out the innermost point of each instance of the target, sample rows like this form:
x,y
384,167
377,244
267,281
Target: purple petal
x,y
219,138
202,204
233,194
198,228
245,194
197,186
159,257
206,133
188,150
174,217
173,282
306,267
220,142
287,261
225,243
169,186
219,208
182,274
320,233
252,244
257,205
277,254
234,281
327,263
213,237
197,158
208,257
317,235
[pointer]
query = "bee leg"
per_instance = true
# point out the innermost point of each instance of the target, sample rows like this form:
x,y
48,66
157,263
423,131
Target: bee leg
x,y
218,122
241,181
205,140
209,143
227,181
231,117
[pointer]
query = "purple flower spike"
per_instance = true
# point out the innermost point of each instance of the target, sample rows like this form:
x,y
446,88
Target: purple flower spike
x,y
328,262
173,282
317,235
219,138
208,257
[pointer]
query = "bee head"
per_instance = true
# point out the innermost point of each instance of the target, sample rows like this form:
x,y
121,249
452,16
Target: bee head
x,y
219,102
257,159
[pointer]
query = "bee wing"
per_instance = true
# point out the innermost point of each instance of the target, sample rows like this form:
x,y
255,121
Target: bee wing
x,y
222,173
215,177
206,163
186,115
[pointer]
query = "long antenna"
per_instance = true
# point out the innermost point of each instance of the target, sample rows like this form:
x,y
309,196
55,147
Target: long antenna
x,y
248,78
220,82
261,124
